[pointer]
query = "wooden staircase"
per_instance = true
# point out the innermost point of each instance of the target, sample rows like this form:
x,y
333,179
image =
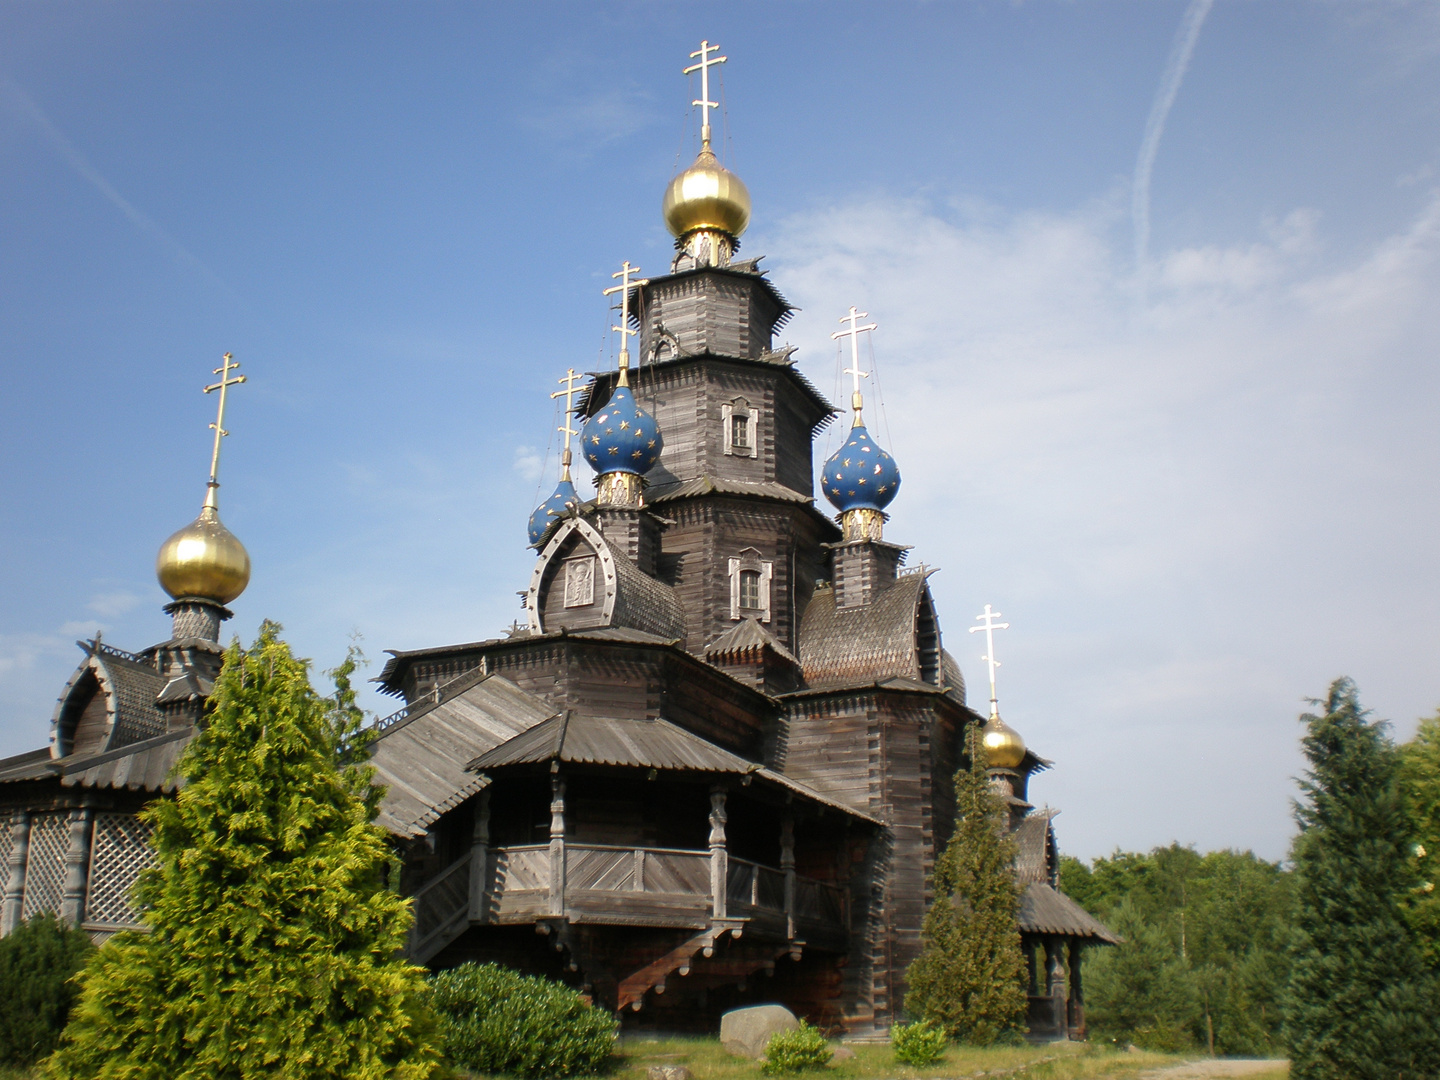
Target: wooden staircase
x,y
734,964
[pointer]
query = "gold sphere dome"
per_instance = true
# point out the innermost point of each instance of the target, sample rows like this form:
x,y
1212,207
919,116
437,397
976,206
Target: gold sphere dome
x,y
706,196
205,560
1003,744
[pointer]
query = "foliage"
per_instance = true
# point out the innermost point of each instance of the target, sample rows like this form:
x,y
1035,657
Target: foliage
x,y
967,978
37,961
272,944
494,1020
1222,917
1361,1002
795,1051
921,1043
1141,991
1420,783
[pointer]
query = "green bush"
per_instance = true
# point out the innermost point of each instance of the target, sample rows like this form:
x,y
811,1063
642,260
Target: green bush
x,y
796,1050
36,964
919,1044
494,1020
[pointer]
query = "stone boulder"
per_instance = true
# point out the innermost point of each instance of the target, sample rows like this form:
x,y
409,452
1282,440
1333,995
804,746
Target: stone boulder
x,y
744,1032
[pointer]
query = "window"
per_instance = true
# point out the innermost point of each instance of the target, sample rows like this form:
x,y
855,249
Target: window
x,y
580,582
750,586
739,433
749,590
740,423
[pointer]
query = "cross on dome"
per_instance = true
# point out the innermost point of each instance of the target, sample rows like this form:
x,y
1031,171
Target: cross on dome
x,y
853,333
704,66
626,284
565,429
989,625
226,367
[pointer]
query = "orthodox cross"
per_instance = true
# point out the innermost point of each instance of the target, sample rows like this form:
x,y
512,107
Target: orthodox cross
x,y
704,66
226,381
853,333
989,625
626,284
565,429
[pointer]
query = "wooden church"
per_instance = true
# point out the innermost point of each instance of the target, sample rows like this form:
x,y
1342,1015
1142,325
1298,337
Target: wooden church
x,y
715,765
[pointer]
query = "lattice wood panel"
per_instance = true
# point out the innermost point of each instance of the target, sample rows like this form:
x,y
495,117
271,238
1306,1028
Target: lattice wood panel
x,y
7,846
119,851
45,864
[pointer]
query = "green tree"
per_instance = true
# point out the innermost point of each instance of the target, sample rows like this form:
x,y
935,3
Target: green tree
x,y
37,961
967,978
1360,1003
272,944
1141,991
1420,779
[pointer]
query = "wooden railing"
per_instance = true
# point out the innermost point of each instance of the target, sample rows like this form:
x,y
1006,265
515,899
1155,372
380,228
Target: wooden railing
x,y
442,910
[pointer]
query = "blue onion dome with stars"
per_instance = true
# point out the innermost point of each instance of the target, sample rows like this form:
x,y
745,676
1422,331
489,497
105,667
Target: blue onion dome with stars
x,y
551,510
860,475
621,437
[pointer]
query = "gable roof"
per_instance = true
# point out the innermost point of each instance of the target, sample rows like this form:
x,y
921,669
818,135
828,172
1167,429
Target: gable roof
x,y
745,636
577,738
421,755
1034,847
1044,910
142,766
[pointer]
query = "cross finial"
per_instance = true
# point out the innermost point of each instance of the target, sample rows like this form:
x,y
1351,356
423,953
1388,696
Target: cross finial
x,y
704,66
227,365
626,284
853,333
565,429
989,625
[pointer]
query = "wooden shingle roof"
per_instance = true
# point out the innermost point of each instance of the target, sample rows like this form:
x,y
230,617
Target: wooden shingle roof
x,y
715,485
744,637
863,645
142,766
1045,910
421,759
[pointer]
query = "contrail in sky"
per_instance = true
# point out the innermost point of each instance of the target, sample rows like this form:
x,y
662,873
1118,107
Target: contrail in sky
x,y
1175,66
23,104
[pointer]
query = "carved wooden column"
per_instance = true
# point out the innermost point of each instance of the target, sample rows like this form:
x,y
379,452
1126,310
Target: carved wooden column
x,y
1076,1018
1055,983
557,844
787,864
1032,985
719,863
15,879
480,857
77,865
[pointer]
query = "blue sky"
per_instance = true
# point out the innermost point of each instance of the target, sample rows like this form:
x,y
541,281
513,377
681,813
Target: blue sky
x,y
1200,483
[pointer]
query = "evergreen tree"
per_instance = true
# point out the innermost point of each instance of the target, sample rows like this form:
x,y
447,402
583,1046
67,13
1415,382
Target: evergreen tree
x,y
1360,1003
1142,991
967,978
37,961
1420,776
272,944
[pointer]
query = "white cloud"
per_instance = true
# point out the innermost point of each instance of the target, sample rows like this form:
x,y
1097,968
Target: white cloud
x,y
529,462
1196,505
113,604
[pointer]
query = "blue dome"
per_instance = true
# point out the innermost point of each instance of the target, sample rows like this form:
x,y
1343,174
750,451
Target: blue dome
x,y
621,437
550,510
860,475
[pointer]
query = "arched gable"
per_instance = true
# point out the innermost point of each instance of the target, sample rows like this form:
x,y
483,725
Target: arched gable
x,y
107,704
578,563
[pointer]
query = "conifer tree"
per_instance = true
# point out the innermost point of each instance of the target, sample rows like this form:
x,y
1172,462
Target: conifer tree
x,y
1360,1003
967,978
1420,777
272,943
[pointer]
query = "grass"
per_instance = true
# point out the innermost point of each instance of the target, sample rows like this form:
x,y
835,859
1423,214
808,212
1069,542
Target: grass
x,y
1054,1061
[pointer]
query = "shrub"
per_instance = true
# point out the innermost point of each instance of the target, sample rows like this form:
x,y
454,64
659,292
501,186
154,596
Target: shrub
x,y
796,1050
36,964
494,1020
920,1044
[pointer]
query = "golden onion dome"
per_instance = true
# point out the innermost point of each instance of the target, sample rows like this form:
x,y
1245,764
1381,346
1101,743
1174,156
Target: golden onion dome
x,y
204,560
706,196
1003,745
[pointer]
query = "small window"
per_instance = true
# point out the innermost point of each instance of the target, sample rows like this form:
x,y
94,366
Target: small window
x,y
740,432
750,590
580,582
739,425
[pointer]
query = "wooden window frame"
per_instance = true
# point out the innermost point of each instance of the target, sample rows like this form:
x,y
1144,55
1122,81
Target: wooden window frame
x,y
749,559
730,411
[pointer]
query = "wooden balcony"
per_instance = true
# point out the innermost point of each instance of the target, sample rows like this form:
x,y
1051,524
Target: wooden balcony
x,y
623,886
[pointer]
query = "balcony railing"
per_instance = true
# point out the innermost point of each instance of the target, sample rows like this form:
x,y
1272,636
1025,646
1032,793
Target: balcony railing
x,y
600,883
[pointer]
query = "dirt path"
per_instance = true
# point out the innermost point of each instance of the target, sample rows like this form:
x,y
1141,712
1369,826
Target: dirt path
x,y
1208,1069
